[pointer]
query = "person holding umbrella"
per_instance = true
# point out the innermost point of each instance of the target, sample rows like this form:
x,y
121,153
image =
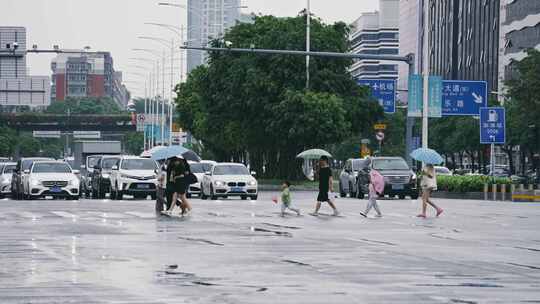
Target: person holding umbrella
x,y
325,186
429,178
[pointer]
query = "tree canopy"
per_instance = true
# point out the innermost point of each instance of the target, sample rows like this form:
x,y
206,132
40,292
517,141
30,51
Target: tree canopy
x,y
255,107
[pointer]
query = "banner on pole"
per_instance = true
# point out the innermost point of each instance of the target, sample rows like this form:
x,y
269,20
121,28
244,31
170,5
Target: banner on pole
x,y
415,96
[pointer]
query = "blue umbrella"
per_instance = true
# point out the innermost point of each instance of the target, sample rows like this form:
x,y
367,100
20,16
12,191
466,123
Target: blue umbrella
x,y
427,156
172,151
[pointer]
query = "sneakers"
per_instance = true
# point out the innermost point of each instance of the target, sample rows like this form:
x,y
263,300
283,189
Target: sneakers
x,y
298,213
336,213
421,215
439,211
314,214
363,214
378,215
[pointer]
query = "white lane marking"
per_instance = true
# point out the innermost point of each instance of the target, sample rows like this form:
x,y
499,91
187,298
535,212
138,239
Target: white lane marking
x,y
28,215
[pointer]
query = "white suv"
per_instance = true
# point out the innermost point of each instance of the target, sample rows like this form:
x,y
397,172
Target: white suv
x,y
229,179
134,176
52,178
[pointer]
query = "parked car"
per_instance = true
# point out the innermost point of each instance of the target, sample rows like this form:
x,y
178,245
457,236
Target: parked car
x,y
229,179
4,159
499,172
348,176
6,172
399,179
86,177
19,178
199,169
100,178
134,176
440,170
52,178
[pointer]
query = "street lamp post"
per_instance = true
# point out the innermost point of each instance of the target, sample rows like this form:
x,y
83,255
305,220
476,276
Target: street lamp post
x,y
308,40
425,55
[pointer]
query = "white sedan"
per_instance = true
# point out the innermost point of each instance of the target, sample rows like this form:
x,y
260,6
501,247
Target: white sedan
x,y
229,179
52,178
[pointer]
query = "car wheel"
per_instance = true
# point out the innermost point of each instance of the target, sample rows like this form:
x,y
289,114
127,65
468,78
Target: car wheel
x,y
212,195
341,192
119,195
188,195
402,197
351,191
112,196
360,195
414,196
153,196
254,197
74,198
243,197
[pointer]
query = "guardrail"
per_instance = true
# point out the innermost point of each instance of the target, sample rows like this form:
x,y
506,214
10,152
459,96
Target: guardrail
x,y
515,193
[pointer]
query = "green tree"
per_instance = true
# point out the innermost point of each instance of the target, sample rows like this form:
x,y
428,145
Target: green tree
x,y
245,106
103,105
524,105
133,143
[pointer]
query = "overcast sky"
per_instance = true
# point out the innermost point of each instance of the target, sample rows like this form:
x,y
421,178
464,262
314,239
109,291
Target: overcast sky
x,y
113,25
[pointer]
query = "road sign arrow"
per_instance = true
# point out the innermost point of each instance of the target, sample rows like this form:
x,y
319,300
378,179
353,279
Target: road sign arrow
x,y
477,98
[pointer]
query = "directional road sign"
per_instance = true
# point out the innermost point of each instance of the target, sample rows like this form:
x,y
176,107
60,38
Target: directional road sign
x,y
384,90
463,97
492,125
415,96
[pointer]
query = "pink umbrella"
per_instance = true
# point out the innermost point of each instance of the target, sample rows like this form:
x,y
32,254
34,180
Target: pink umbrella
x,y
377,180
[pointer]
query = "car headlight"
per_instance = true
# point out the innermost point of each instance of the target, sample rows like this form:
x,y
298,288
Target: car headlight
x,y
252,183
34,182
219,183
413,176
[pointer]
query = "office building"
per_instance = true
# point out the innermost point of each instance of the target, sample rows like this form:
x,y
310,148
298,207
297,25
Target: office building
x,y
207,20
464,40
520,30
87,74
376,33
409,39
17,88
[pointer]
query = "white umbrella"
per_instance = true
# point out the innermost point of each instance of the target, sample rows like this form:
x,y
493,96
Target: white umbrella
x,y
313,154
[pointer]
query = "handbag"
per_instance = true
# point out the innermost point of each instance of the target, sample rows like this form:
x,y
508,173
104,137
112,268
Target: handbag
x,y
191,178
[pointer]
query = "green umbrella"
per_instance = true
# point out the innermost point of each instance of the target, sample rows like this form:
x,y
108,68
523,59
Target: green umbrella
x,y
313,154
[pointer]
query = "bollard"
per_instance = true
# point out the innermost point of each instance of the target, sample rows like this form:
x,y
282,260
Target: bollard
x,y
531,187
486,189
503,192
521,187
494,188
512,190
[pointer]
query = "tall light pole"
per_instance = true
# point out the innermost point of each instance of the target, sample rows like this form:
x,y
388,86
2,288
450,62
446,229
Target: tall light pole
x,y
425,61
308,39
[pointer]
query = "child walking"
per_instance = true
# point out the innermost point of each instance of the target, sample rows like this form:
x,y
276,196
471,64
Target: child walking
x,y
376,186
286,199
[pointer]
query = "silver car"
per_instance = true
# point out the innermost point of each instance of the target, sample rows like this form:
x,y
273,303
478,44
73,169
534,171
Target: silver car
x,y
349,174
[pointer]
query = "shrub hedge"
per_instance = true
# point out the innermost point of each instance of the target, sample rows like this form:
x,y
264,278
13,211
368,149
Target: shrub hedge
x,y
472,183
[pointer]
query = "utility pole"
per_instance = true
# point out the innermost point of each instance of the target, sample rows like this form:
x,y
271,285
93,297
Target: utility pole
x,y
308,40
162,119
425,59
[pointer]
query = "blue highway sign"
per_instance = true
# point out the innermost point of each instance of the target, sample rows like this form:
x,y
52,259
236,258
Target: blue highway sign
x,y
463,97
384,91
492,125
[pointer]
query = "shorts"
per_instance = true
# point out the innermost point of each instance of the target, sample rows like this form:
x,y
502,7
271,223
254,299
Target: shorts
x,y
180,186
323,196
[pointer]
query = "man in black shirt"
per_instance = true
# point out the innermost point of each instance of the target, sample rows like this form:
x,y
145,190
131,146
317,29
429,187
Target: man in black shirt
x,y
325,186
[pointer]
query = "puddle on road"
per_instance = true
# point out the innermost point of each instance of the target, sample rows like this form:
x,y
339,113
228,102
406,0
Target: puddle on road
x,y
200,241
280,233
462,301
281,226
526,248
297,263
480,285
523,265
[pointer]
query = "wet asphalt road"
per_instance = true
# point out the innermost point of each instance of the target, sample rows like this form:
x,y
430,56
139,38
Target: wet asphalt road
x,y
232,251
